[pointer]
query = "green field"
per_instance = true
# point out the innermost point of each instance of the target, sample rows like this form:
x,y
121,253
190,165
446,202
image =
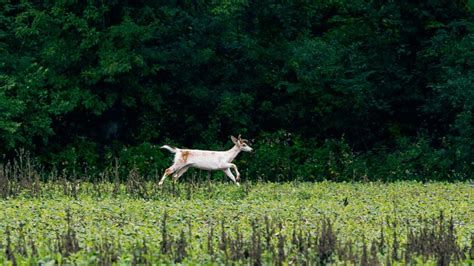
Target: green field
x,y
264,223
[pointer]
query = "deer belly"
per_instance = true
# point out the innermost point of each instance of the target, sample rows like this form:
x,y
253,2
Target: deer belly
x,y
207,164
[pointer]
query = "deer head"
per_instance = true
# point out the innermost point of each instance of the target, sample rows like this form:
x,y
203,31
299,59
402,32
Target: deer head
x,y
242,144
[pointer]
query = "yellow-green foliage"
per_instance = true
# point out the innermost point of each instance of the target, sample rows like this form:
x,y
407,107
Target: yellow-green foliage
x,y
128,222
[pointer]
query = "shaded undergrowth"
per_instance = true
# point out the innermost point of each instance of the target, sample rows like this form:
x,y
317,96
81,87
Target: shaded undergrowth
x,y
22,178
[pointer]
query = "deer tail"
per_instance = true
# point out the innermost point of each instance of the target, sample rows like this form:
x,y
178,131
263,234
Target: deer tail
x,y
171,149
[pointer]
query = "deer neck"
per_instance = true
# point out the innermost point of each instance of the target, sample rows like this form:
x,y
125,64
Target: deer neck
x,y
232,153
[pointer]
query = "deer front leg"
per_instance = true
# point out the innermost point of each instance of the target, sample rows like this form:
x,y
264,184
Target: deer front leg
x,y
236,171
231,176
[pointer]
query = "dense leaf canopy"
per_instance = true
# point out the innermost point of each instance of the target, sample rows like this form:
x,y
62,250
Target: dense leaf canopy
x,y
328,89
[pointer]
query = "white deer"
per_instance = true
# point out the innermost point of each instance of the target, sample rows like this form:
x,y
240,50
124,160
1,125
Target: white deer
x,y
206,160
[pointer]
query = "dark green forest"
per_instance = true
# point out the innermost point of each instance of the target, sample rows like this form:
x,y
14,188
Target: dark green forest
x,y
326,90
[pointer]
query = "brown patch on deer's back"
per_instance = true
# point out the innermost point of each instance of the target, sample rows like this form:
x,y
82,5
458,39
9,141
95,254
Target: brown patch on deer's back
x,y
184,156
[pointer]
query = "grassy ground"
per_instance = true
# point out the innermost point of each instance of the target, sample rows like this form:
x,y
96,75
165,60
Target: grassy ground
x,y
126,223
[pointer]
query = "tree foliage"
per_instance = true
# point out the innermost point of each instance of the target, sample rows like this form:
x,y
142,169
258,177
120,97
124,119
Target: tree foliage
x,y
81,81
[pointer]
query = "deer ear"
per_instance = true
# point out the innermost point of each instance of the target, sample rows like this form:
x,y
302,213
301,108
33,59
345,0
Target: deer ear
x,y
239,137
234,139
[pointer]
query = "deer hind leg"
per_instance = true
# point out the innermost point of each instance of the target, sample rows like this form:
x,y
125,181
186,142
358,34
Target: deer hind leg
x,y
168,172
231,176
179,173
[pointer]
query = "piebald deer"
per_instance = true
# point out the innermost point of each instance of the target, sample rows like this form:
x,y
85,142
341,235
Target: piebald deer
x,y
206,160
